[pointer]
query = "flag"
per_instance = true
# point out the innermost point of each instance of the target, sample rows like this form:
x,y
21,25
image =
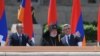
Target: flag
x,y
98,26
27,21
77,20
52,13
3,23
21,11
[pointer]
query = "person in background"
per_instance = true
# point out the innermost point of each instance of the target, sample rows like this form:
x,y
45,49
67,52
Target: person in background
x,y
20,15
50,37
69,39
19,38
33,15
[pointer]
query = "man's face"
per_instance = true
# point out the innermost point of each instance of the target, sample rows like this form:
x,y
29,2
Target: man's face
x,y
67,30
53,33
20,29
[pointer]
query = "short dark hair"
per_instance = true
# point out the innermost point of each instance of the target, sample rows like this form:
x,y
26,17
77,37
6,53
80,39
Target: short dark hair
x,y
18,25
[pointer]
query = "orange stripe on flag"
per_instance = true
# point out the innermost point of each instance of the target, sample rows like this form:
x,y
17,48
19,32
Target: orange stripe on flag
x,y
21,14
84,42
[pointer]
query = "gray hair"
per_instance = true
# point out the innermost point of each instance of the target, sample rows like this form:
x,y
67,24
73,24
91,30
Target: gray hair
x,y
18,25
65,25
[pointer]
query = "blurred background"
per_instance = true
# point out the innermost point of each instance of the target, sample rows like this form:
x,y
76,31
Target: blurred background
x,y
89,13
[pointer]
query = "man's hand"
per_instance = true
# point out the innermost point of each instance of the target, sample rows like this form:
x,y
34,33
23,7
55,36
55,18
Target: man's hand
x,y
77,34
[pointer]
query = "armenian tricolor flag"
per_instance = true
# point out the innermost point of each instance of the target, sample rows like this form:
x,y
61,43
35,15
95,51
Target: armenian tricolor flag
x,y
3,23
21,11
27,21
76,20
25,16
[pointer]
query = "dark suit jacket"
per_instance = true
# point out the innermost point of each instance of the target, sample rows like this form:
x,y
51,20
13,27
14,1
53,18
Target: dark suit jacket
x,y
72,42
47,40
14,40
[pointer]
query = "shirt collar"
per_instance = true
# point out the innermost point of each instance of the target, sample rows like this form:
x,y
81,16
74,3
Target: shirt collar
x,y
19,34
68,35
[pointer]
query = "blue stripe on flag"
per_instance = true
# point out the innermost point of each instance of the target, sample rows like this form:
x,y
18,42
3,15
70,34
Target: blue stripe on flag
x,y
23,3
3,26
80,27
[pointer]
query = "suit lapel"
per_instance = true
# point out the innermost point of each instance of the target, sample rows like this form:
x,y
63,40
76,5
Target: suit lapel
x,y
72,40
17,37
64,41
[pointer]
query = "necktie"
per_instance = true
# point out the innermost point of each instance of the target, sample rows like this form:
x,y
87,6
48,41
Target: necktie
x,y
20,40
68,40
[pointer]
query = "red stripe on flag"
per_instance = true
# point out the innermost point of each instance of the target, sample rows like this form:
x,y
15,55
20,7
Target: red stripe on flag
x,y
1,8
52,13
28,29
98,28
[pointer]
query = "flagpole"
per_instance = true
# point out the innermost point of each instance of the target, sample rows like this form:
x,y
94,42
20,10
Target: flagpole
x,y
98,44
98,27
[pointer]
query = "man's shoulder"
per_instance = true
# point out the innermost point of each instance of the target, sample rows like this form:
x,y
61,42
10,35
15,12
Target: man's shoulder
x,y
72,35
25,35
63,37
13,34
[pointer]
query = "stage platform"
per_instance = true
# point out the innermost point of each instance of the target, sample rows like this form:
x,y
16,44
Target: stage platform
x,y
50,51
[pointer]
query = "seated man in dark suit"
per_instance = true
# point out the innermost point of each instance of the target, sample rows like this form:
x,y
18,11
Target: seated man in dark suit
x,y
19,38
70,39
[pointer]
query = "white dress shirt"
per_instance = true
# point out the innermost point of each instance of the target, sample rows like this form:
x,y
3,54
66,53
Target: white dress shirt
x,y
67,38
